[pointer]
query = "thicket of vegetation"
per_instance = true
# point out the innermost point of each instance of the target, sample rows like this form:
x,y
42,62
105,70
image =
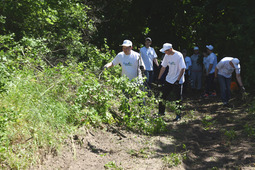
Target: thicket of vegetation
x,y
50,69
50,81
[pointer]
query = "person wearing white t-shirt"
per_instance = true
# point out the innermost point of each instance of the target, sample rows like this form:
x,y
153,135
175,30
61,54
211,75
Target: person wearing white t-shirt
x,y
223,71
130,61
174,79
210,63
149,56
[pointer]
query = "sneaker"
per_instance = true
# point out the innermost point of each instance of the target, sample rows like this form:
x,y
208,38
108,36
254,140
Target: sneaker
x,y
206,95
178,117
213,94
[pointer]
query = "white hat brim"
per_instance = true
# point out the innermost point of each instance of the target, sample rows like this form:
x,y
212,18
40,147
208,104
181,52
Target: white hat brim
x,y
162,50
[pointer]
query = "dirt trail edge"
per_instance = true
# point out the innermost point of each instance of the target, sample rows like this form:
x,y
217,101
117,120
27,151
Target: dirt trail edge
x,y
208,137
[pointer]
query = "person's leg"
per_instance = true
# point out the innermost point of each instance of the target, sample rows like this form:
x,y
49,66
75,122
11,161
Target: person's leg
x,y
207,85
146,73
186,83
196,80
165,90
228,92
150,78
193,85
223,88
178,92
199,80
213,85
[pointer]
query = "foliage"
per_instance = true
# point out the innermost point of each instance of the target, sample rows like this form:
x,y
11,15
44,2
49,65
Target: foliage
x,y
230,134
172,160
249,130
112,165
42,103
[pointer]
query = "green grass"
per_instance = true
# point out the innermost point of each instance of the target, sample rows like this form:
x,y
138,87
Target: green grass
x,y
39,109
35,120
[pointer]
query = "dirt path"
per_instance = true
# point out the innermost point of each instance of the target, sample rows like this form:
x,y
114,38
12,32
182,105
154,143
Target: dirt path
x,y
208,137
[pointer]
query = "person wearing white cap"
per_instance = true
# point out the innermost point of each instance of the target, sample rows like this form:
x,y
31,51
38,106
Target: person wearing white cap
x,y
149,56
174,79
223,71
210,63
196,70
129,60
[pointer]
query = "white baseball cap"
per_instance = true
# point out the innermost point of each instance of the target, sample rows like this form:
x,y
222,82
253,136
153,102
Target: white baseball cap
x,y
210,47
236,62
127,43
166,46
196,48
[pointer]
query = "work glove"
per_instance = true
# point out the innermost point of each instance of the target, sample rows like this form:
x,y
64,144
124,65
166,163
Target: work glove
x,y
142,69
104,68
242,89
176,82
244,94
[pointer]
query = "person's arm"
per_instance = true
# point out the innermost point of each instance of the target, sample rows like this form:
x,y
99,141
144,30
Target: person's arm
x,y
141,63
239,80
181,74
156,61
209,69
162,70
108,65
216,72
190,64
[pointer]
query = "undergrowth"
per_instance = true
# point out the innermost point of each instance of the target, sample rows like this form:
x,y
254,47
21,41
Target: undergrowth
x,y
42,104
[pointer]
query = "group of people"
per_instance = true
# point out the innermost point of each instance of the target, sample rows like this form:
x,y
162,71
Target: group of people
x,y
180,68
196,65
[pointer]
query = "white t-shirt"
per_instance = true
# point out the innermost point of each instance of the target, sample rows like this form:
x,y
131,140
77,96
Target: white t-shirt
x,y
225,69
129,63
211,59
176,64
148,55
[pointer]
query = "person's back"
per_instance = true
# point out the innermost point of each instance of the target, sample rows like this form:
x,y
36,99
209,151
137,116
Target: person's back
x,y
225,69
212,59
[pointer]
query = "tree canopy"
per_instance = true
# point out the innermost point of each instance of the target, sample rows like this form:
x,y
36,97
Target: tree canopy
x,y
227,25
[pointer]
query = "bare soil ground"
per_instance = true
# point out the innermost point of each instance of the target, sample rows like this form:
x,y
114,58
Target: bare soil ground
x,y
209,136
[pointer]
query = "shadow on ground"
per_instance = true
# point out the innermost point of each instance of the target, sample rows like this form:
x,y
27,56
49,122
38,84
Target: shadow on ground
x,y
216,139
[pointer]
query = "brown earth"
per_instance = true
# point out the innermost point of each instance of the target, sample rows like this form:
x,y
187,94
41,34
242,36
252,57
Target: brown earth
x,y
209,136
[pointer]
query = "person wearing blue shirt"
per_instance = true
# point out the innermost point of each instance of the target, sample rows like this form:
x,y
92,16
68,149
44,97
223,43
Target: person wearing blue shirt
x,y
210,64
149,56
196,70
